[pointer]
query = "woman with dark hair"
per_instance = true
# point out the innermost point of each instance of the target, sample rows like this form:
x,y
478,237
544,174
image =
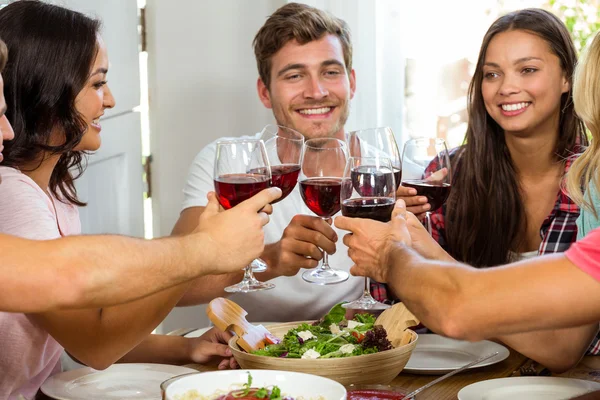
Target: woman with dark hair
x,y
506,202
554,291
56,93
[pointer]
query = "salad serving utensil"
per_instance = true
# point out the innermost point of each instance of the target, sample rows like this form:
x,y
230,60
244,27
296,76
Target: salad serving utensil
x,y
396,320
229,316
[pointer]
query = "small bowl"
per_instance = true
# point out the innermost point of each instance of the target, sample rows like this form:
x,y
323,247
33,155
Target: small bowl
x,y
376,368
388,389
292,384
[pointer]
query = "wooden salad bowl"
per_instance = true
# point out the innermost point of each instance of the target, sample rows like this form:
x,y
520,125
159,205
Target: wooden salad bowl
x,y
376,368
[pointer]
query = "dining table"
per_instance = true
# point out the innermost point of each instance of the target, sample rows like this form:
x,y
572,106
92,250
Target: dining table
x,y
514,365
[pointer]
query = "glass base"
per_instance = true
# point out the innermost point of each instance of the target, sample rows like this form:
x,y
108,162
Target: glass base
x,y
366,302
325,276
249,286
258,265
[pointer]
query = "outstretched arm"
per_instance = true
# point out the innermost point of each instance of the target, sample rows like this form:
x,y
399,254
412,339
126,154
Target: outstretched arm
x,y
462,302
99,271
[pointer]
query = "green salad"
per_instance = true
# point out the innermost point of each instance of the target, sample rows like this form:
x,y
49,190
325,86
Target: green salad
x,y
331,336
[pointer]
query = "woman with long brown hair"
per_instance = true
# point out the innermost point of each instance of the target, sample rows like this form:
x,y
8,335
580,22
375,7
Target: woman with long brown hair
x,y
528,298
507,202
56,94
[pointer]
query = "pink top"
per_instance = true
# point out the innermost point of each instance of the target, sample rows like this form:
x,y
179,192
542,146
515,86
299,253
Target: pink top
x,y
28,354
585,254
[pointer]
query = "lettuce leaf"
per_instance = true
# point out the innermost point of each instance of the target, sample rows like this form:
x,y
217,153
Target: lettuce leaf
x,y
334,316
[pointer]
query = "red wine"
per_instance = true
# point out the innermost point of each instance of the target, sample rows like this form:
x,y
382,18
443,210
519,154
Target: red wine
x,y
436,193
232,189
284,176
370,181
377,208
322,195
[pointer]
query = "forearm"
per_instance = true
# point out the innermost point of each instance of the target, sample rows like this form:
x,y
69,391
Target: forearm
x,y
99,337
463,302
558,349
112,270
208,287
430,289
204,289
161,349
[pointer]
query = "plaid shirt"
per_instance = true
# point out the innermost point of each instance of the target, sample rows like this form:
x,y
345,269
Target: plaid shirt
x,y
558,232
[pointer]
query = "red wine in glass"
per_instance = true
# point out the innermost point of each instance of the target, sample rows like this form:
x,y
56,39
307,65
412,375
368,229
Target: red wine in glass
x,y
436,192
377,208
322,195
371,180
233,189
284,177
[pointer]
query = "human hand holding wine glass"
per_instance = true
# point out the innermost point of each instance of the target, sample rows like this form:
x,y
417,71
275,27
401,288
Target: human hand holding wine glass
x,y
284,148
368,191
379,143
322,167
426,168
241,170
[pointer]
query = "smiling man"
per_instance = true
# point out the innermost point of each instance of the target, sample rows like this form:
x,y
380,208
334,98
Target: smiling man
x,y
304,60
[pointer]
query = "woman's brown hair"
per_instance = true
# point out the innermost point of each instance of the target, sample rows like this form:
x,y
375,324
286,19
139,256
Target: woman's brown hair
x,y
50,52
485,216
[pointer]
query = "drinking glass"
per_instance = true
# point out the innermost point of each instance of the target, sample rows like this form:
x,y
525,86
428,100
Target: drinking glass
x,y
426,168
241,170
284,149
368,191
376,142
322,168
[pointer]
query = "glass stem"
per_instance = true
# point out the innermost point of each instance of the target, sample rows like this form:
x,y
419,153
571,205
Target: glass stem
x,y
367,291
325,264
428,222
248,275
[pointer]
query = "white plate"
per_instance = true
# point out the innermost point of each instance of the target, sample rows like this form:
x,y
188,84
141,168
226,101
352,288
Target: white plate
x,y
294,384
201,331
437,355
119,381
527,388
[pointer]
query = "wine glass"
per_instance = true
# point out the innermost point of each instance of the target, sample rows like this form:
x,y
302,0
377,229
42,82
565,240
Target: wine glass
x,y
368,191
426,168
284,149
241,170
376,142
322,168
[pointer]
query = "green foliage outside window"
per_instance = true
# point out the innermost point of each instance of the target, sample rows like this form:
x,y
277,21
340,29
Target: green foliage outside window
x,y
582,18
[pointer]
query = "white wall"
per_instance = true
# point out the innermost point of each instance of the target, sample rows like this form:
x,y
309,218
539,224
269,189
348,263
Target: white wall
x,y
202,85
202,79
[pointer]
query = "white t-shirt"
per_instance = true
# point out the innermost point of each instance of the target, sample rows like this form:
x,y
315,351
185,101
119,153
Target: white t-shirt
x,y
292,299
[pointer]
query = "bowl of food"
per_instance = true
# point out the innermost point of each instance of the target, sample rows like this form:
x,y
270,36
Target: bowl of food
x,y
347,351
251,384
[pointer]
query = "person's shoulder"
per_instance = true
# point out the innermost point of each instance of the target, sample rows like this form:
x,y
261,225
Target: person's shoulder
x,y
456,152
25,209
19,187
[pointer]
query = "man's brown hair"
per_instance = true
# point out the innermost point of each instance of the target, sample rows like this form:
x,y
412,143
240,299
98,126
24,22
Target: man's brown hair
x,y
3,55
301,23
